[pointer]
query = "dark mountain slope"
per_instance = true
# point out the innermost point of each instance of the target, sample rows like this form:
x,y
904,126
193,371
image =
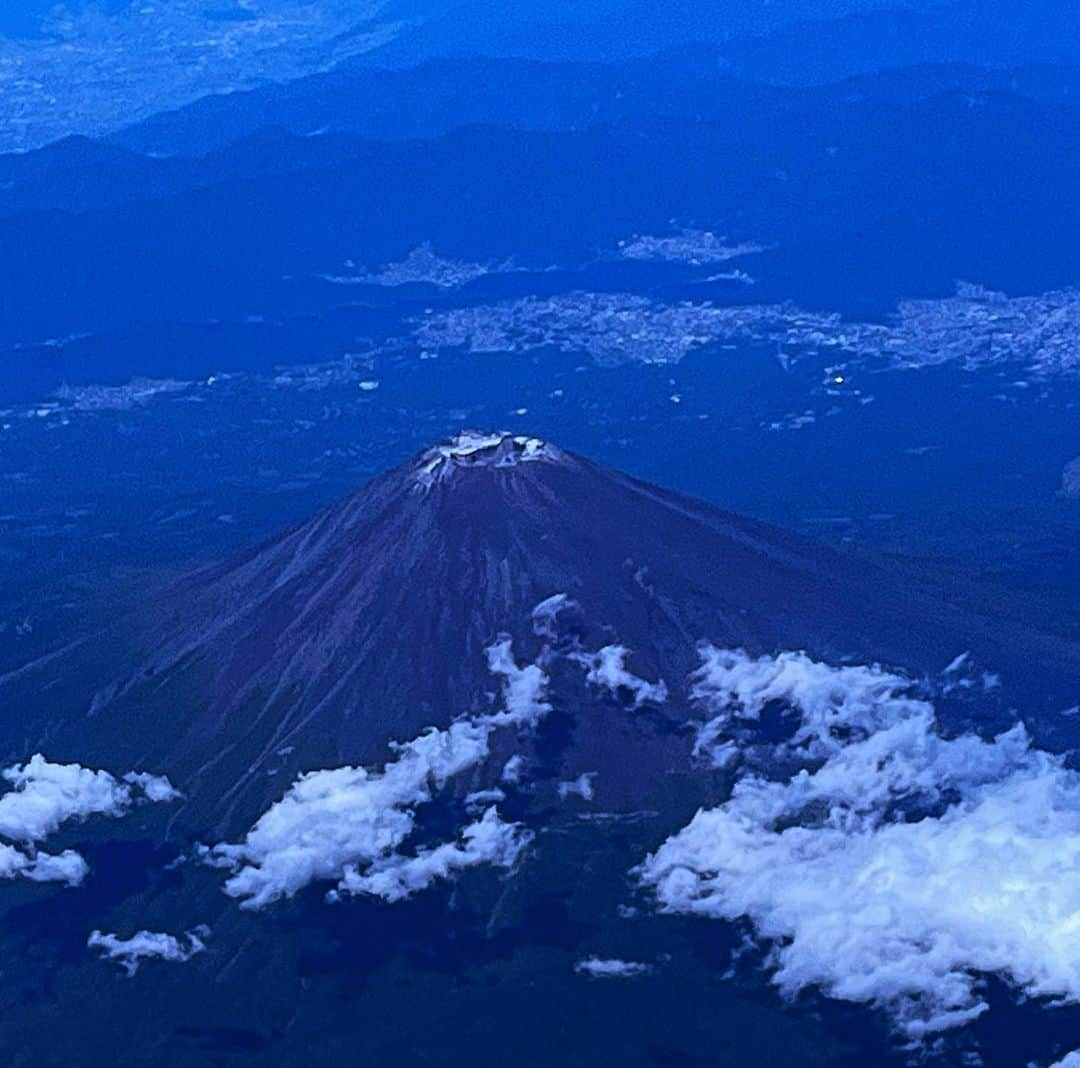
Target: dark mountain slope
x,y
372,621
79,175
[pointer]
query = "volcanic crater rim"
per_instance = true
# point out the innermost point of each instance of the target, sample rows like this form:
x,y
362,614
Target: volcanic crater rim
x,y
479,448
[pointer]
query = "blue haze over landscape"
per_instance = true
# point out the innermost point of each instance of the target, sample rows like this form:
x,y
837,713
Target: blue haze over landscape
x,y
540,533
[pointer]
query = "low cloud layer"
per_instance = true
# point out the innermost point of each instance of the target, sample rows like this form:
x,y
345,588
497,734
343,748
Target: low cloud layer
x,y
344,819
352,826
607,669
734,689
67,867
488,841
347,825
44,797
129,953
524,688
884,863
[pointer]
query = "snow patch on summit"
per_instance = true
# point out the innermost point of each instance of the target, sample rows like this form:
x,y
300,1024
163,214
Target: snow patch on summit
x,y
472,448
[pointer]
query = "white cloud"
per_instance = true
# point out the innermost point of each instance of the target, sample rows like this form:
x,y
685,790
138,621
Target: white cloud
x,y
736,688
341,818
961,675
524,689
891,866
157,788
129,953
44,796
1070,1060
607,669
609,968
67,867
581,787
348,824
480,798
511,772
487,841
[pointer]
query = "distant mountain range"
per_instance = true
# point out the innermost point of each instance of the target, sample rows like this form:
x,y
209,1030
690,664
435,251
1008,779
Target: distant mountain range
x,y
62,67
864,203
440,95
986,33
791,41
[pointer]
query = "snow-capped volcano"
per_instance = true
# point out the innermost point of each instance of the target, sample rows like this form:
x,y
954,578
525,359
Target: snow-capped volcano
x,y
502,677
374,619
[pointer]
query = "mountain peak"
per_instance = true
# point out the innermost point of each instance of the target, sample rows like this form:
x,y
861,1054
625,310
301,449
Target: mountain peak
x,y
373,621
471,449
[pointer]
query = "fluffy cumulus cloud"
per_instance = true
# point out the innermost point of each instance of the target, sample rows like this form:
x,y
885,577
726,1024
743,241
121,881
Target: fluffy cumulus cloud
x,y
40,867
524,688
884,863
735,689
156,788
610,968
347,825
129,953
607,669
1070,1060
334,821
44,796
489,840
513,770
